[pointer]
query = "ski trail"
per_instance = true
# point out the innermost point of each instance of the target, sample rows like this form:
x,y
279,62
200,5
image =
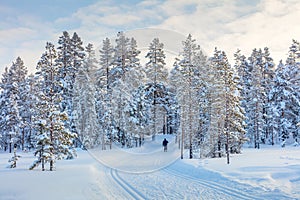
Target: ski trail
x,y
127,187
212,185
92,192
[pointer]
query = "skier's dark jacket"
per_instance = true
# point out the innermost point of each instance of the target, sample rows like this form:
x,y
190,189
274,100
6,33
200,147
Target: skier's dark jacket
x,y
165,142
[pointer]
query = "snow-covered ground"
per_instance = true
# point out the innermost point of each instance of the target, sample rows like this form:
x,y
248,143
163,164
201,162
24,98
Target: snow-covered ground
x,y
150,173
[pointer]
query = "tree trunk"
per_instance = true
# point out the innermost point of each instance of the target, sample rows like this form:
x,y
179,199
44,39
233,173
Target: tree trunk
x,y
42,160
23,139
227,146
182,139
10,147
190,114
219,148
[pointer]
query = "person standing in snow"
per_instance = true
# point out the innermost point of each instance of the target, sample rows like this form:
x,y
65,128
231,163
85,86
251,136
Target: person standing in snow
x,y
165,144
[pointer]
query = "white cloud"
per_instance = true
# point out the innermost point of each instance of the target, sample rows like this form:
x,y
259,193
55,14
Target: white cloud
x,y
15,34
119,19
271,23
226,24
106,18
178,7
25,37
274,25
33,56
11,41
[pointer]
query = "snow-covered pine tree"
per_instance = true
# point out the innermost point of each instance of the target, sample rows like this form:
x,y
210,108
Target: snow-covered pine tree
x,y
3,111
29,97
64,62
54,140
91,58
43,147
216,94
70,58
26,113
244,72
267,70
20,72
120,59
156,73
175,83
104,82
84,113
187,92
256,103
296,82
234,113
136,74
227,116
294,53
118,76
133,79
10,122
138,113
285,97
78,58
203,84
13,85
13,160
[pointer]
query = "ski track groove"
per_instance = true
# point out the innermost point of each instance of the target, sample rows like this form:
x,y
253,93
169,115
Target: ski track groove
x,y
163,193
134,193
214,186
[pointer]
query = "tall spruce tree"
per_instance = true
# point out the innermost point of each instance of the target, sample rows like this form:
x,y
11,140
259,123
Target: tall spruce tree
x,y
13,86
28,112
134,79
69,60
202,73
54,140
267,70
156,73
118,75
85,116
104,90
217,92
285,97
227,115
187,92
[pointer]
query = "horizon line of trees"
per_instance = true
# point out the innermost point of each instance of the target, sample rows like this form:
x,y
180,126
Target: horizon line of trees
x,y
76,99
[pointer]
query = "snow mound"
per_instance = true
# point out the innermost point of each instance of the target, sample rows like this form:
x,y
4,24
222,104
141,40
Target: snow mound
x,y
270,168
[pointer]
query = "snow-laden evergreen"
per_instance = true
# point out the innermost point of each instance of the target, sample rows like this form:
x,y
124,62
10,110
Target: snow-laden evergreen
x,y
133,79
156,73
187,87
84,112
70,57
227,116
285,97
78,99
119,97
103,93
53,139
12,103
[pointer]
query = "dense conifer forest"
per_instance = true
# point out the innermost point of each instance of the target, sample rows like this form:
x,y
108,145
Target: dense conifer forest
x,y
82,98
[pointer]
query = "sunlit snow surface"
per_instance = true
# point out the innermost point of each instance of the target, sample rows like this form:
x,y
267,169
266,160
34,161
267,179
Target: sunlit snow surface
x,y
146,173
147,158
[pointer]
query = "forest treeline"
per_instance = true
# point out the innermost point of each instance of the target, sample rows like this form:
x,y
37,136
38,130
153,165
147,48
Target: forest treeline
x,y
82,98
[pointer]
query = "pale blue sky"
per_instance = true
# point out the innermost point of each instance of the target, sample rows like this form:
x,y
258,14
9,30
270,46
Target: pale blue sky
x,y
25,26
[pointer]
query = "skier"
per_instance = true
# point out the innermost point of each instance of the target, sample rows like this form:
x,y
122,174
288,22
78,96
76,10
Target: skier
x,y
165,144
